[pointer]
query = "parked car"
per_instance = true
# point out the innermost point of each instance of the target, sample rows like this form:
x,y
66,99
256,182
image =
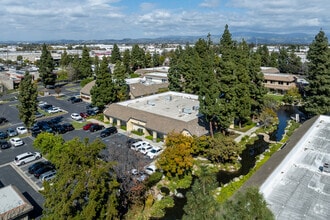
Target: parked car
x,y
48,176
145,149
76,116
26,158
3,135
139,144
54,110
42,170
21,130
42,103
37,166
154,152
38,114
131,141
87,126
4,144
12,132
3,120
108,131
46,107
60,129
91,112
71,98
15,141
68,127
150,169
35,131
76,100
96,127
84,114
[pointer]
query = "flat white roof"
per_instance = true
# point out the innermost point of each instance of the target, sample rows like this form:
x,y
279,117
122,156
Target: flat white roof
x,y
297,189
180,106
12,203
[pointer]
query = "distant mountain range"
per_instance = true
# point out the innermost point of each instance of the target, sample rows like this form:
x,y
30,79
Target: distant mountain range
x,y
249,37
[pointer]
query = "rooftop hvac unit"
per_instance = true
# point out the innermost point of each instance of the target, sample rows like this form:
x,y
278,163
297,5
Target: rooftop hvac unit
x,y
195,107
187,110
168,98
149,102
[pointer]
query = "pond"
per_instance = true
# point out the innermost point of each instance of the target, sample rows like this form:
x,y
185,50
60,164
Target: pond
x,y
248,160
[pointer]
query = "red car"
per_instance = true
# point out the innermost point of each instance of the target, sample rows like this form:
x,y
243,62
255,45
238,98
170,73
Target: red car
x,y
84,115
87,126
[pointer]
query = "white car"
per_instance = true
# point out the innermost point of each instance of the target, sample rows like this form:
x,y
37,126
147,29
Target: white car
x,y
139,144
154,152
76,116
54,110
27,157
150,169
16,141
21,130
145,149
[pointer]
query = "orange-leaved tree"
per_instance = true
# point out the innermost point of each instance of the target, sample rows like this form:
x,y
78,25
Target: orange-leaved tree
x,y
176,160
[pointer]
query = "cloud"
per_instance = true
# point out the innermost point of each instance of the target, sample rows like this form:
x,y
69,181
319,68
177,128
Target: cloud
x,y
147,6
210,3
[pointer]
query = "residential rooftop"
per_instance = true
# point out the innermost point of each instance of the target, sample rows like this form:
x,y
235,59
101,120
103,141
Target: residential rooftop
x,y
298,189
179,106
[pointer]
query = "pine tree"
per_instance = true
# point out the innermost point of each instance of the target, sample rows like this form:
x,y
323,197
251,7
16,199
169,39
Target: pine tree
x,y
127,61
174,72
115,54
137,57
103,92
247,205
120,86
201,203
85,64
46,67
27,97
318,91
65,59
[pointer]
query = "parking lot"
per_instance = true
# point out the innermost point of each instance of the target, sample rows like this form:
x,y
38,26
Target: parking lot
x,y
116,150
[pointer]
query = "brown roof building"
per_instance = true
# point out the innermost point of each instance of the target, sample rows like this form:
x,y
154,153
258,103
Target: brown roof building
x,y
159,114
85,92
278,82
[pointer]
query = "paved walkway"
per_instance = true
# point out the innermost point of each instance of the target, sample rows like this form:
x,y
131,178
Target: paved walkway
x,y
243,134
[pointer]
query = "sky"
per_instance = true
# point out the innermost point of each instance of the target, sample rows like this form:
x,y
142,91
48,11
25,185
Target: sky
x,y
38,20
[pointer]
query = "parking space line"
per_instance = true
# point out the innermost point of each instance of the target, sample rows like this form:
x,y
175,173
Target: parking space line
x,y
26,178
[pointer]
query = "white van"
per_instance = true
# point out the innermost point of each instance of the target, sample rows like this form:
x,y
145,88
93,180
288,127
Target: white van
x,y
26,158
48,175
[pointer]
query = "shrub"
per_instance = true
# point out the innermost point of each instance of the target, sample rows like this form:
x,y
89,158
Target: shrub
x,y
149,137
123,127
140,132
154,178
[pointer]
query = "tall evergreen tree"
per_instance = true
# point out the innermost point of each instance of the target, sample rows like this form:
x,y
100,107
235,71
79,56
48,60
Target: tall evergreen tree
x,y
201,203
226,45
137,57
103,92
85,64
208,94
247,205
27,98
115,54
120,86
65,59
156,60
46,67
127,61
318,91
174,72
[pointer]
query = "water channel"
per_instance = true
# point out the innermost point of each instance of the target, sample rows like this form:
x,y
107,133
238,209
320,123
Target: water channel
x,y
248,160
